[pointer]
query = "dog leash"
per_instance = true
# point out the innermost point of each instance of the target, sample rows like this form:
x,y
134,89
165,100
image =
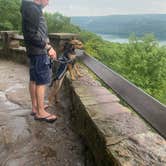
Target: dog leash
x,y
60,60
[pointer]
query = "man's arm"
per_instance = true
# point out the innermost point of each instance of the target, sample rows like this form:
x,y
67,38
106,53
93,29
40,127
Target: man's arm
x,y
31,24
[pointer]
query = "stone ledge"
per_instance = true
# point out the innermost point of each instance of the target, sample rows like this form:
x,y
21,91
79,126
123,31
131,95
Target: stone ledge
x,y
15,54
114,134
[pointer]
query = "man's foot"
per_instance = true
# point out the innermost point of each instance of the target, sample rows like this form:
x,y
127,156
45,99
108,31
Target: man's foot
x,y
50,118
45,116
34,111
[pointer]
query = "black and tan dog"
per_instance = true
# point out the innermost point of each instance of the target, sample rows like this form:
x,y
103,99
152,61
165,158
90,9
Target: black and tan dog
x,y
73,67
67,63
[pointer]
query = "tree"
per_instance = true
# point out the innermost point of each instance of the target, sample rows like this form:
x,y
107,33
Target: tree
x,y
58,23
10,17
141,61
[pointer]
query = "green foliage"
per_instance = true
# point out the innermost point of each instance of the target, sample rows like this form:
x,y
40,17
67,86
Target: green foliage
x,y
10,17
141,61
59,23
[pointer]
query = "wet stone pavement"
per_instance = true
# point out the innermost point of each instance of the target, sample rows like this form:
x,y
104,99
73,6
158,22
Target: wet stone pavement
x,y
24,141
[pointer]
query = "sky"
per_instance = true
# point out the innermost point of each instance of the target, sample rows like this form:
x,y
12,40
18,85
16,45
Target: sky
x,y
106,7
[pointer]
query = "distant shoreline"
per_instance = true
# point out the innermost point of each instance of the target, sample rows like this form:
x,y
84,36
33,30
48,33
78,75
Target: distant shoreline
x,y
124,25
118,39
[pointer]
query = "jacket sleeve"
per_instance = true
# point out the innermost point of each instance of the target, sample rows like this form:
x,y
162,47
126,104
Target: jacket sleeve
x,y
31,35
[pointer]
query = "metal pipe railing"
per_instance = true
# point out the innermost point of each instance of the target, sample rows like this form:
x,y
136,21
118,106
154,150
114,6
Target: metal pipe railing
x,y
145,105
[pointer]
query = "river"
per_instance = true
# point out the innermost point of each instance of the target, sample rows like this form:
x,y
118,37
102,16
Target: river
x,y
118,39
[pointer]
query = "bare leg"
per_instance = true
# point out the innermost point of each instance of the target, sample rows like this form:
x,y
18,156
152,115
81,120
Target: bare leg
x,y
40,91
32,91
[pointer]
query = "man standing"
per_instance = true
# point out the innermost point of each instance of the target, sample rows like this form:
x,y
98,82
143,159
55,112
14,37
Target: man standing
x,y
38,50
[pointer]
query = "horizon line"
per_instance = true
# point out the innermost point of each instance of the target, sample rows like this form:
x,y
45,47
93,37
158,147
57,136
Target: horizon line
x,y
117,15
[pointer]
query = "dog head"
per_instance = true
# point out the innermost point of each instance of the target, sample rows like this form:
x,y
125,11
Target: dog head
x,y
77,44
68,48
70,45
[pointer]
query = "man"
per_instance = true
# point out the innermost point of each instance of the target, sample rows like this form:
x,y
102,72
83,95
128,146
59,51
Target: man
x,y
38,50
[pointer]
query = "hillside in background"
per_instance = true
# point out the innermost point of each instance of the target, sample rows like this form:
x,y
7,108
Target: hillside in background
x,y
124,25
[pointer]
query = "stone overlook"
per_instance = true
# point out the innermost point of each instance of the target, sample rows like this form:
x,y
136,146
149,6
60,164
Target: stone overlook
x,y
94,128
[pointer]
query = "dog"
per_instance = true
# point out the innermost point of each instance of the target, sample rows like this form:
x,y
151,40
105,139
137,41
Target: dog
x,y
73,67
67,62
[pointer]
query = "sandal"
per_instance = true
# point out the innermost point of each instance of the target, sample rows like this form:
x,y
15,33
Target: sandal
x,y
33,113
46,119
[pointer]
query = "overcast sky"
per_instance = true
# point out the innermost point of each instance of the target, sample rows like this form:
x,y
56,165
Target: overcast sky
x,y
105,7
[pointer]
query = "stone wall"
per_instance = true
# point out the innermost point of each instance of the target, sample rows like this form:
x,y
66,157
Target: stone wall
x,y
13,47
113,133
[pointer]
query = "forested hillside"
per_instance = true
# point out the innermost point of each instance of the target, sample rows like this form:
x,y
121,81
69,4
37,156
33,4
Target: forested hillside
x,y
142,60
124,25
10,17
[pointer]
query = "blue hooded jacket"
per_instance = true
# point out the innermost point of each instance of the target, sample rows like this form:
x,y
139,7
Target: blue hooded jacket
x,y
34,28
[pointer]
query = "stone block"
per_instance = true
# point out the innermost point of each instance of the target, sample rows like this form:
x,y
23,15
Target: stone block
x,y
141,149
88,91
101,99
105,110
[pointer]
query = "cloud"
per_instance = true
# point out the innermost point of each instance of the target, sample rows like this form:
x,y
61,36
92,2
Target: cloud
x,y
106,7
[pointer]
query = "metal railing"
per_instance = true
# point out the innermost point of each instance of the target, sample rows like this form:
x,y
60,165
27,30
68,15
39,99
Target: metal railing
x,y
145,105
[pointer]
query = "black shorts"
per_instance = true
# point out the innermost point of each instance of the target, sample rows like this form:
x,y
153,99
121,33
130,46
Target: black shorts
x,y
40,69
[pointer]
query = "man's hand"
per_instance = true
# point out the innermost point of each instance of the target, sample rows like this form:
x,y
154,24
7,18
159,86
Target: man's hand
x,y
52,53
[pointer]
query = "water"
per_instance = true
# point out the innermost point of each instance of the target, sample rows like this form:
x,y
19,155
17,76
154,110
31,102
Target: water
x,y
118,39
113,38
